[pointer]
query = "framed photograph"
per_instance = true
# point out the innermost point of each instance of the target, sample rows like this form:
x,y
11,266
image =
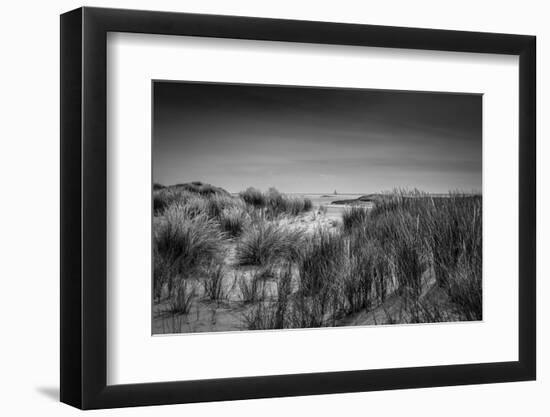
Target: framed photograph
x,y
257,208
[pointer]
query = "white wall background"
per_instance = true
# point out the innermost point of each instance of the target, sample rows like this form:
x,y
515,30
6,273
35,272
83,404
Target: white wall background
x,y
29,212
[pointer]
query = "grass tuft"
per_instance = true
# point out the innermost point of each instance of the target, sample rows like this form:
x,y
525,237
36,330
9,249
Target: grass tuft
x,y
184,243
252,288
213,283
265,243
254,197
234,220
274,204
354,217
182,298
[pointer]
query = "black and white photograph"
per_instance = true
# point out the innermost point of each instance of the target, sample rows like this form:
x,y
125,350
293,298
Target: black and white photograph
x,y
272,203
291,207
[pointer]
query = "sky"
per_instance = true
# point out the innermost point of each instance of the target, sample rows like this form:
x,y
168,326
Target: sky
x,y
315,140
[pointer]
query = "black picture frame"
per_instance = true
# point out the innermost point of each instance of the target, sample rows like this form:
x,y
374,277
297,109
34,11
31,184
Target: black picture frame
x,y
84,207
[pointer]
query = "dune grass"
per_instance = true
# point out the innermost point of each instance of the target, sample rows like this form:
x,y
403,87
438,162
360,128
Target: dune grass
x,y
252,288
253,197
164,197
234,220
274,203
325,274
360,274
272,314
183,243
265,243
354,217
321,267
182,298
198,187
213,282
444,233
390,249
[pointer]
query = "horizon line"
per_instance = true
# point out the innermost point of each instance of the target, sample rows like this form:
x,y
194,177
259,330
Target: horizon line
x,y
395,189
